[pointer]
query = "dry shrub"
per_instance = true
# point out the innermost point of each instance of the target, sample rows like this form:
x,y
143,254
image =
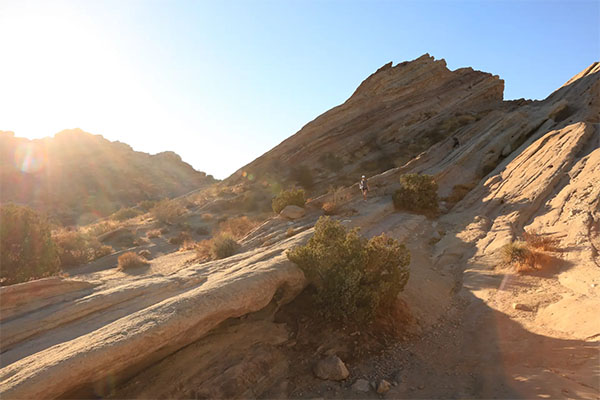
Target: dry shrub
x,y
180,238
539,241
520,257
101,227
145,253
237,227
330,208
27,250
76,248
203,250
125,214
167,211
188,244
223,245
154,233
418,193
130,260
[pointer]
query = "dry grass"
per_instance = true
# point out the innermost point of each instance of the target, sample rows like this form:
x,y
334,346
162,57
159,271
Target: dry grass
x,y
237,227
76,248
180,238
521,257
539,241
203,250
167,211
188,244
130,260
100,228
154,233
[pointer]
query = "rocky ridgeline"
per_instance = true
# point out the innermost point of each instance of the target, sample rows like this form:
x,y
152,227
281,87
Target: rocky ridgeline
x,y
187,330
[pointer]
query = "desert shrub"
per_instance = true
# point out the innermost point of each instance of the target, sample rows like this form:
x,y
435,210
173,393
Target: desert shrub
x,y
520,256
237,227
27,249
145,253
76,248
223,245
188,244
154,233
166,211
303,176
203,250
417,193
330,208
125,214
146,205
180,238
354,278
130,260
101,227
539,241
288,197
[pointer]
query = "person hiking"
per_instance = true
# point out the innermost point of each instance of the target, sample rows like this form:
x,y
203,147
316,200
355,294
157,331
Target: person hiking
x,y
364,187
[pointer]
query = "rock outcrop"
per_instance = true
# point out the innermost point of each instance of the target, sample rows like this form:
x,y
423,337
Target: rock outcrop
x,y
66,176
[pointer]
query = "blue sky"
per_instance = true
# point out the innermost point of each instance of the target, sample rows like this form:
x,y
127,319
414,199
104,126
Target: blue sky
x,y
222,82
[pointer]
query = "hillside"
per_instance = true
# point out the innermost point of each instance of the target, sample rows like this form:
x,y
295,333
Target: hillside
x,y
467,325
76,176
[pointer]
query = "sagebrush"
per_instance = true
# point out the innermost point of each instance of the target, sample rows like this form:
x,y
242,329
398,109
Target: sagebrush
x,y
418,193
288,197
354,278
77,247
223,245
131,260
167,211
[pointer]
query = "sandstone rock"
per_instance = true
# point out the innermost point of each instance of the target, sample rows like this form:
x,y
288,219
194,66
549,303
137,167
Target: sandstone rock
x,y
383,386
331,368
292,212
521,306
361,385
506,150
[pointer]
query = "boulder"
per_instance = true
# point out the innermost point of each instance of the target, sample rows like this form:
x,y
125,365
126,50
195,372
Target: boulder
x,y
331,368
292,212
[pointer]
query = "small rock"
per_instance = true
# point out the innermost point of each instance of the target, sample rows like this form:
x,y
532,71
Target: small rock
x,y
421,387
506,150
361,385
521,306
331,368
292,212
383,386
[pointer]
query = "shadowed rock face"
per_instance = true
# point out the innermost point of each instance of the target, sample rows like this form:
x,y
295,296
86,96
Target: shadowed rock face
x,y
76,174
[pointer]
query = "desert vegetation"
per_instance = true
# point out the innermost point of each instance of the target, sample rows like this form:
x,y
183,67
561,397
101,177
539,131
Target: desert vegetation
x,y
528,254
75,247
223,245
354,278
418,193
28,251
167,211
126,213
237,227
288,197
131,260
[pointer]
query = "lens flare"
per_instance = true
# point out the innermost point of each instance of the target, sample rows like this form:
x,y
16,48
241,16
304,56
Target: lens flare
x,y
29,158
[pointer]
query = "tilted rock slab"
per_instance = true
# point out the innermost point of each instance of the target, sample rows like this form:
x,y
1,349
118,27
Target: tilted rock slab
x,y
229,288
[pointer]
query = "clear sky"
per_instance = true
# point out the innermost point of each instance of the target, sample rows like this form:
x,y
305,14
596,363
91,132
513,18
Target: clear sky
x,y
222,82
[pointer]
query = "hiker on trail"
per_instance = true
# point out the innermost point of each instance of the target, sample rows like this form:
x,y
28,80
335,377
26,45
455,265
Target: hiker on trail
x,y
364,187
456,143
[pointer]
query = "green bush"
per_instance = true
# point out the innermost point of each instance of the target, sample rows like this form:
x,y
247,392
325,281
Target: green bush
x,y
223,246
125,213
417,193
286,198
27,249
354,278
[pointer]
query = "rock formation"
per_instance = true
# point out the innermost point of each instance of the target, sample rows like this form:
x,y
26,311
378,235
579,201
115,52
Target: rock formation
x,y
55,174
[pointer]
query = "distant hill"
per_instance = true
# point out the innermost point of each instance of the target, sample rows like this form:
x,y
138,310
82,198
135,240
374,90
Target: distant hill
x,y
76,176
